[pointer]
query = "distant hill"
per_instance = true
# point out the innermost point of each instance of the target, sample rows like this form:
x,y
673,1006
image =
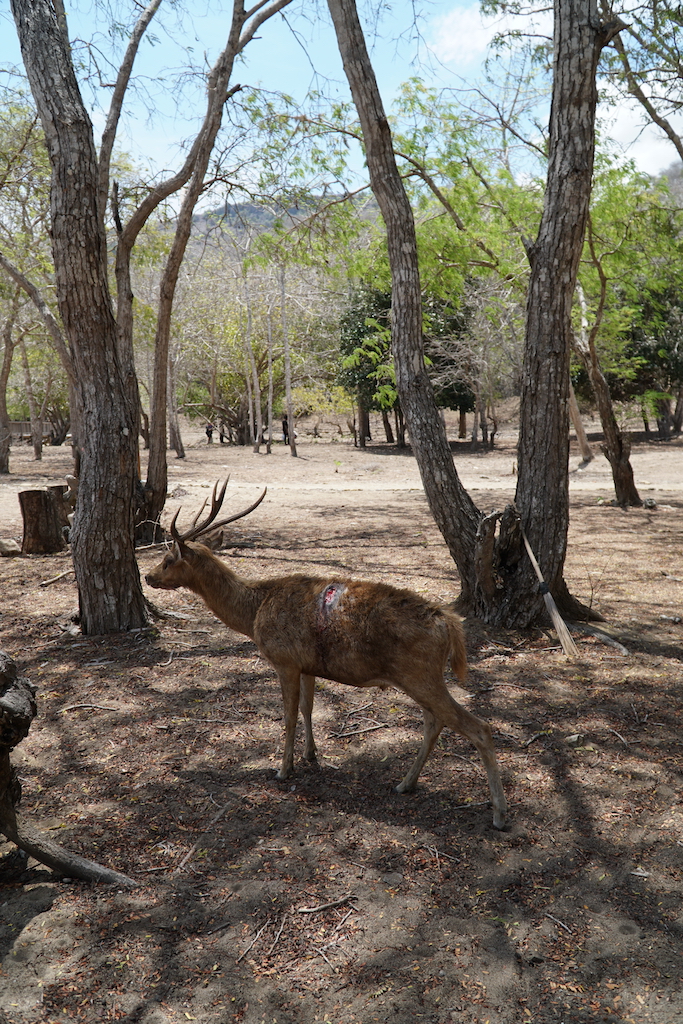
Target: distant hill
x,y
237,218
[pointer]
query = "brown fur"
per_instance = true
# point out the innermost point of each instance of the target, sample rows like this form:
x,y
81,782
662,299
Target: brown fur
x,y
357,633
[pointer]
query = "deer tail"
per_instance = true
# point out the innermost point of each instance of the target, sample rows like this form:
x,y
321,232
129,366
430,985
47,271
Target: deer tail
x,y
456,636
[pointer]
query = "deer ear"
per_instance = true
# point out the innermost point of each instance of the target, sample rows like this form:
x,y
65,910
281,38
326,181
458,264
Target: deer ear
x,y
173,555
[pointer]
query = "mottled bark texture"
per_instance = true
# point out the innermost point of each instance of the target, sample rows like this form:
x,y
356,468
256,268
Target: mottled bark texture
x,y
542,485
110,593
498,581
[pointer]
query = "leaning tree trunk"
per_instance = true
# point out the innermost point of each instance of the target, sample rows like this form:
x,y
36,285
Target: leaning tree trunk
x,y
110,594
575,416
498,583
616,446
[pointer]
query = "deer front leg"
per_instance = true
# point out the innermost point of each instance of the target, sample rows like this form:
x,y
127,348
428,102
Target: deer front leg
x,y
289,684
306,696
432,728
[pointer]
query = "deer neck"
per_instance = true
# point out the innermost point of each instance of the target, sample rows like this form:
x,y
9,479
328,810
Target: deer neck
x,y
235,601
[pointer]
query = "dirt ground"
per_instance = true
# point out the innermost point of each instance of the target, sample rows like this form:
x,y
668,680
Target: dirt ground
x,y
329,897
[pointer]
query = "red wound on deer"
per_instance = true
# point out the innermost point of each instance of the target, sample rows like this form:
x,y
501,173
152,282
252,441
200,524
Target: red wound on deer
x,y
350,631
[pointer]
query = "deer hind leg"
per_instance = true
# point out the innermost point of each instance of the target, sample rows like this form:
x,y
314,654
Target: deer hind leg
x,y
306,695
432,728
479,733
290,686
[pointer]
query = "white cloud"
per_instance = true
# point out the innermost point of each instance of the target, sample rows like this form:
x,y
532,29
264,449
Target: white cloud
x,y
462,36
643,143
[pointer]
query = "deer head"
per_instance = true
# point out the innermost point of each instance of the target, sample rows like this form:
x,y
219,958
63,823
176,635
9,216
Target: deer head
x,y
175,569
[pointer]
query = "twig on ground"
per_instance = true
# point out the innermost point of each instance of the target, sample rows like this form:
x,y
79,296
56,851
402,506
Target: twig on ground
x,y
320,953
277,935
600,634
357,732
618,734
340,924
56,579
218,928
561,923
253,941
196,844
99,707
536,736
327,906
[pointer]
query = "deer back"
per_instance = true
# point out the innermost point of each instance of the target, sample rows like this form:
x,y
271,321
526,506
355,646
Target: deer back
x,y
354,631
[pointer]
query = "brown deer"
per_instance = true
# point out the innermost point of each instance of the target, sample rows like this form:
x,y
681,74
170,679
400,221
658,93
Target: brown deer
x,y
350,631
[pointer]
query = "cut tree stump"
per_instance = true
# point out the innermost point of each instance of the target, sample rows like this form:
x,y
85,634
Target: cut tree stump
x,y
44,515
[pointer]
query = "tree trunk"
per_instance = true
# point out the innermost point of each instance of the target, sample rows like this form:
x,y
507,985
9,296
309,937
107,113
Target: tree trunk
x,y
462,423
269,439
454,512
244,26
5,369
543,484
110,594
252,369
575,416
175,437
678,412
400,426
616,446
35,413
388,432
288,365
664,417
498,582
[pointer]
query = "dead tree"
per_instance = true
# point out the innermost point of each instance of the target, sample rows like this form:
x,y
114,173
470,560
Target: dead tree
x,y
358,633
17,711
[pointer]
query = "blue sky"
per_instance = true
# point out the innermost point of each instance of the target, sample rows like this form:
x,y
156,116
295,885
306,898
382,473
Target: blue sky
x,y
447,46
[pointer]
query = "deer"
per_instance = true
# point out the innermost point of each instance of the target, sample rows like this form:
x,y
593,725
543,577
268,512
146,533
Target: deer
x,y
354,632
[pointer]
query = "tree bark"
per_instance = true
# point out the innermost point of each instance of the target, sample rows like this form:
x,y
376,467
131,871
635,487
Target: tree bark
x,y
110,593
498,583
542,485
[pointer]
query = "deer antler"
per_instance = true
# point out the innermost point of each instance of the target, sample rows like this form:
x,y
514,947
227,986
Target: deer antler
x,y
197,529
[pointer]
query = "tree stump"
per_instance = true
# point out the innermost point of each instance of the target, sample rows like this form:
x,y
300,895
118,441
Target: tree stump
x,y
44,516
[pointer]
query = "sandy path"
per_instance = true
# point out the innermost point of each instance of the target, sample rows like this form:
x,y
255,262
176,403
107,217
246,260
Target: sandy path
x,y
326,472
